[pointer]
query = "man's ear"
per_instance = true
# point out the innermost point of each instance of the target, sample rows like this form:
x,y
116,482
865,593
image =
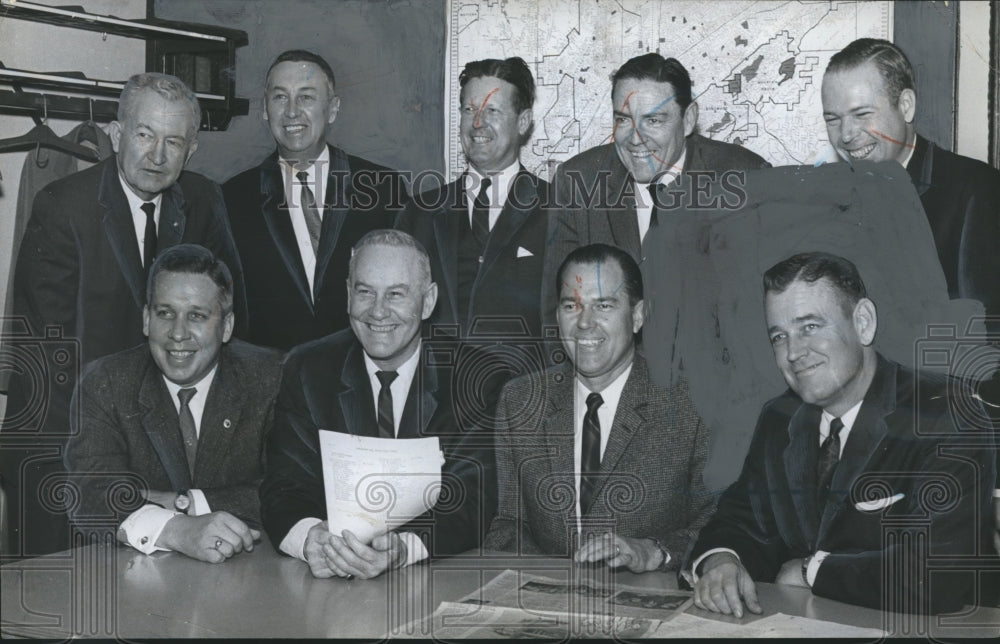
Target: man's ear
x,y
865,319
115,132
524,122
907,104
145,320
192,148
430,299
638,315
334,108
690,118
228,323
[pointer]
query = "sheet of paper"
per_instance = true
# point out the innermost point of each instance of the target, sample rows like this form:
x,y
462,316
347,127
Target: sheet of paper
x,y
777,625
374,485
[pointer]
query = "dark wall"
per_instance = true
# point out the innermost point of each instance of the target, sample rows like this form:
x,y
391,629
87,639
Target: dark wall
x,y
388,58
927,32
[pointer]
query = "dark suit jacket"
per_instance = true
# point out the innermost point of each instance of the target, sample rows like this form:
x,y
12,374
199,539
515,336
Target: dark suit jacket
x,y
325,386
596,200
128,434
79,271
653,464
961,197
896,446
507,286
360,197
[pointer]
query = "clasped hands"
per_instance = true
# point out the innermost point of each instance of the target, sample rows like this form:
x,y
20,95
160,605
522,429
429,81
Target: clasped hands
x,y
330,555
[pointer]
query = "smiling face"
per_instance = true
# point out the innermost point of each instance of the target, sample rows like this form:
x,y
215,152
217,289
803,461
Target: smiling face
x,y
596,322
185,325
862,122
491,127
823,352
388,296
651,129
299,106
153,142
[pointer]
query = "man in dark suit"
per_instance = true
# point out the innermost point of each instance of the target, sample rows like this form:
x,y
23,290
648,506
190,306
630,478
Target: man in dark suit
x,y
605,194
593,458
376,379
296,245
833,493
485,232
167,451
80,279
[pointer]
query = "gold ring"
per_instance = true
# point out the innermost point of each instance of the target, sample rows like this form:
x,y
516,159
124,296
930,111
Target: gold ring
x,y
218,542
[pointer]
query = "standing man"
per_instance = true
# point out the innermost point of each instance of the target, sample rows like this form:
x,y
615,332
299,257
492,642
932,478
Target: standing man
x,y
375,379
296,216
869,103
606,193
81,279
169,443
633,452
485,232
833,493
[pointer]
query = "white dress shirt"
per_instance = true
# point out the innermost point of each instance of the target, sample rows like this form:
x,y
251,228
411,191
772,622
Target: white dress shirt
x,y
644,200
293,192
139,215
143,527
497,192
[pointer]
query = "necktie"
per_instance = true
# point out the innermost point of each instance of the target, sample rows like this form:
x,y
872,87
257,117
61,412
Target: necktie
x,y
386,426
481,213
829,456
590,454
186,421
654,218
149,236
308,200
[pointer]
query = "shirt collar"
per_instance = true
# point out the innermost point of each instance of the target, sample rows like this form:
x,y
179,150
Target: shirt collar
x,y
847,418
202,385
911,147
404,372
609,394
666,178
323,161
134,201
501,182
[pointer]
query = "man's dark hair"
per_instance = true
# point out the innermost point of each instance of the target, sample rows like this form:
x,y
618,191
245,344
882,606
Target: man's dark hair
x,y
655,67
602,254
195,260
513,70
304,56
892,64
810,268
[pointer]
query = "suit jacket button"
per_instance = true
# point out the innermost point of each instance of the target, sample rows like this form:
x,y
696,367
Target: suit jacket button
x,y
227,423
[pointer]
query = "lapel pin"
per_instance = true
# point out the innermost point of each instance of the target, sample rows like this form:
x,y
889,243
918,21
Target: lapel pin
x,y
227,423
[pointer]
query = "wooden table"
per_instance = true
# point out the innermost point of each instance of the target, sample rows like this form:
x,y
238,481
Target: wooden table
x,y
114,591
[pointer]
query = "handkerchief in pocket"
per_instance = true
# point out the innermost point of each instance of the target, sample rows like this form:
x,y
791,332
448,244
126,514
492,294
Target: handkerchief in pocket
x,y
524,252
878,504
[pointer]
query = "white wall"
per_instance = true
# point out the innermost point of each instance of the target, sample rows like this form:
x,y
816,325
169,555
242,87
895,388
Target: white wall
x,y
972,117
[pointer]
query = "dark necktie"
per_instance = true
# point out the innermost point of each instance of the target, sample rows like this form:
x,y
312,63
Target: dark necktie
x,y
314,224
590,453
149,236
386,426
654,218
481,213
829,456
188,431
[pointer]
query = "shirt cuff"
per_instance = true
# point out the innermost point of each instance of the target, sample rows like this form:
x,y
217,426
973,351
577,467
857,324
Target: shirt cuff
x,y
813,569
294,542
199,504
996,494
415,548
143,527
697,562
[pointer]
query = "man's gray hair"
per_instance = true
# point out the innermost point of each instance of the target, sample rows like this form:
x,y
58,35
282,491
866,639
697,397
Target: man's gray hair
x,y
167,86
396,239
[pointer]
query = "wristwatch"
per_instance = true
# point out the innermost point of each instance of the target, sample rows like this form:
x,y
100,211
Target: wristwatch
x,y
666,555
183,502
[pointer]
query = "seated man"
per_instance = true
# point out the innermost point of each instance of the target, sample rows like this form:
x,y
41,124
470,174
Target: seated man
x,y
374,379
181,418
631,451
850,532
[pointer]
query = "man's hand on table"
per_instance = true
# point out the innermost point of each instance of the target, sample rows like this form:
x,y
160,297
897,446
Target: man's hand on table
x,y
724,586
212,537
329,555
638,555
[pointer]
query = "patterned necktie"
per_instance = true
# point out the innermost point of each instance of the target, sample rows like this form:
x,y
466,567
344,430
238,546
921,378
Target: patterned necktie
x,y
386,426
654,218
314,224
188,431
829,456
590,454
481,213
149,235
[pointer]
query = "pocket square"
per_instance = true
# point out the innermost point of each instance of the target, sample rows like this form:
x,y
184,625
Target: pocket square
x,y
878,504
524,252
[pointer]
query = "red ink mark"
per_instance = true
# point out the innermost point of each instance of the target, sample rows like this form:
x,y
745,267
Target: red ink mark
x,y
482,107
891,140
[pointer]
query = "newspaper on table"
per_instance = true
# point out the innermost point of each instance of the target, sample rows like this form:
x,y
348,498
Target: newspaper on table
x,y
374,485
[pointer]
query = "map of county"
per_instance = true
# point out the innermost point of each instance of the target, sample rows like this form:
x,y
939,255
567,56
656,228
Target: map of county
x,y
756,66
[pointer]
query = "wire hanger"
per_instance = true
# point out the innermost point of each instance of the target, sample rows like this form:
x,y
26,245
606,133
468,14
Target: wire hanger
x,y
88,133
42,135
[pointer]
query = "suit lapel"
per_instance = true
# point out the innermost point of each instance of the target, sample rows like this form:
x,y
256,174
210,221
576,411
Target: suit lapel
x,y
446,226
622,218
356,401
279,225
559,436
800,469
170,230
219,421
335,208
421,402
120,230
629,418
159,420
512,217
921,165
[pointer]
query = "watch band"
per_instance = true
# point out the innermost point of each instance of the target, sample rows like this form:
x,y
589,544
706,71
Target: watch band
x,y
666,554
805,569
183,502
